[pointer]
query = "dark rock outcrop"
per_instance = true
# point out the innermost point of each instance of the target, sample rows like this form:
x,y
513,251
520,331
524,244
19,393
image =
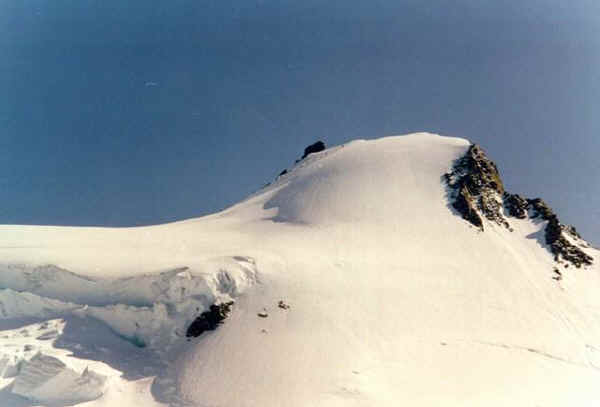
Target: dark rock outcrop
x,y
313,148
464,204
557,274
516,205
209,320
540,209
476,190
559,245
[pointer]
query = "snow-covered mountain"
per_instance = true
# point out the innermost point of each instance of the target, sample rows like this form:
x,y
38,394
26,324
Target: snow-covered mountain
x,y
389,272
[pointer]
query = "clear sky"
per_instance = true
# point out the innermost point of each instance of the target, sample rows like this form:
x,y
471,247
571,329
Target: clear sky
x,y
122,113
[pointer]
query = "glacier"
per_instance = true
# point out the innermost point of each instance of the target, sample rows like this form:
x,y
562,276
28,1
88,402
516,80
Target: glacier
x,y
390,298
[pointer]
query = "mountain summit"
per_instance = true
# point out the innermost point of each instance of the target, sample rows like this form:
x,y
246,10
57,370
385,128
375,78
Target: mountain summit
x,y
387,272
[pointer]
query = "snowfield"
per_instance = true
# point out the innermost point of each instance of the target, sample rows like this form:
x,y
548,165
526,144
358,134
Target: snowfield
x,y
354,281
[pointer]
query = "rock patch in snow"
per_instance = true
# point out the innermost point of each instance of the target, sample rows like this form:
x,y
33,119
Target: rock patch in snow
x,y
556,240
313,148
209,320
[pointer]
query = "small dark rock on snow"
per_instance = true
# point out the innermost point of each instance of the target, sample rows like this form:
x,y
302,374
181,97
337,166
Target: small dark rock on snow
x,y
557,275
313,148
209,320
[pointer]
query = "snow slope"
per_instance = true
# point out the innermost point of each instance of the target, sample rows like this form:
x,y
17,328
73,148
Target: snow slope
x,y
393,299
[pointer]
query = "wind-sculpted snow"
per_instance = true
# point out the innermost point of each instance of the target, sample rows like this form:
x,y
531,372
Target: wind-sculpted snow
x,y
345,184
371,292
170,287
151,311
16,304
40,374
46,379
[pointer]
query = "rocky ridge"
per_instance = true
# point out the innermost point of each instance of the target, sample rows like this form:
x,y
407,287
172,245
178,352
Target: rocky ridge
x,y
476,191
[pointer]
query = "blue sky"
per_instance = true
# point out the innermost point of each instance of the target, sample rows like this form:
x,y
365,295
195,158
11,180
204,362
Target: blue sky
x,y
128,113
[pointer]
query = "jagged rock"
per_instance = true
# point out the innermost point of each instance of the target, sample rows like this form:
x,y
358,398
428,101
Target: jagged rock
x,y
476,190
464,204
562,248
209,320
541,209
516,205
313,148
558,243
